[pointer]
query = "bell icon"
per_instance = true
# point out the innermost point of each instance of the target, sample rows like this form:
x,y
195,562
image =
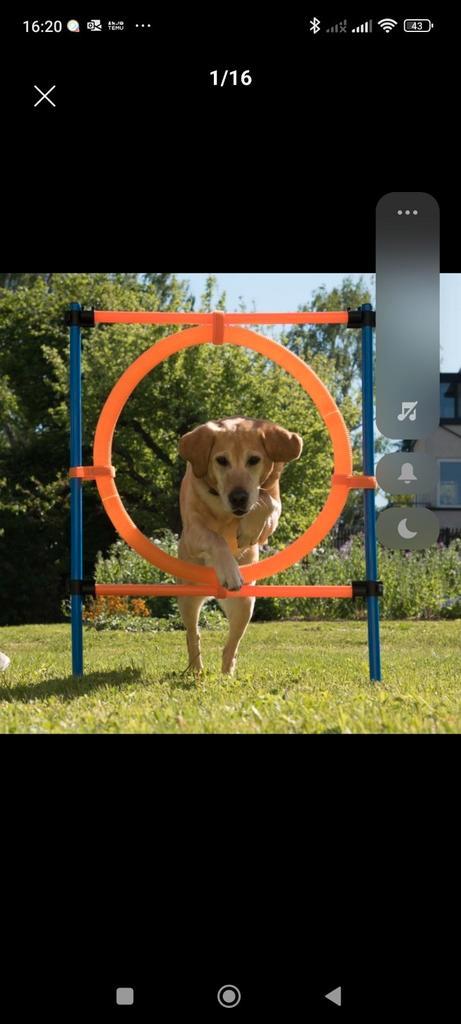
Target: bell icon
x,y
407,474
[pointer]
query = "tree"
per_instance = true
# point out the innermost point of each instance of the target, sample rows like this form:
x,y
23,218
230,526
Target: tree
x,y
339,344
34,427
14,281
209,299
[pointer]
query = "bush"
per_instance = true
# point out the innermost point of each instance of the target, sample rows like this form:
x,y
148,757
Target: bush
x,y
123,565
417,585
134,614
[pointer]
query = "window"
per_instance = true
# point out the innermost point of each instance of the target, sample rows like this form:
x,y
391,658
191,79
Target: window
x,y
449,487
450,396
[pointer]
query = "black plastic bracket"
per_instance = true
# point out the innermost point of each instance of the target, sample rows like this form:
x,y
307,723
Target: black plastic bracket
x,y
79,317
361,318
367,588
83,588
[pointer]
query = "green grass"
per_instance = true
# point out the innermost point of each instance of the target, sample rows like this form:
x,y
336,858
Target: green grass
x,y
292,677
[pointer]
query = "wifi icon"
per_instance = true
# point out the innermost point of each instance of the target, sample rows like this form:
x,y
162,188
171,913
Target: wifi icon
x,y
387,24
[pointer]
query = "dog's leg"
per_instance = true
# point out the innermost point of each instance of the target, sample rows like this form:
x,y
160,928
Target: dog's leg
x,y
238,612
203,546
189,608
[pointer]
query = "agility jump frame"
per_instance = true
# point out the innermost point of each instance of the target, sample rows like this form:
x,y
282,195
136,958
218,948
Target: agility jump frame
x,y
221,328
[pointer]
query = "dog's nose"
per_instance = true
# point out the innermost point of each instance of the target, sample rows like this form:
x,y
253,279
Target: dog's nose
x,y
238,498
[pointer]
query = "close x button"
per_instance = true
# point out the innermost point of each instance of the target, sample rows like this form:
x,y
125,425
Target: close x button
x,y
44,95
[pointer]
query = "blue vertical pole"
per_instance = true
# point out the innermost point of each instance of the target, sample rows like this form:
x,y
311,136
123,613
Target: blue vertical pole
x,y
76,495
371,559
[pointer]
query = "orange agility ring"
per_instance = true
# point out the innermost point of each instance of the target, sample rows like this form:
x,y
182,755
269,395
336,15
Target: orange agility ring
x,y
218,333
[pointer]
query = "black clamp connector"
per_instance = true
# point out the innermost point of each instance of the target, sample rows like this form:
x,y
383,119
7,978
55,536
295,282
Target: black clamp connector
x,y
83,588
367,588
361,318
79,317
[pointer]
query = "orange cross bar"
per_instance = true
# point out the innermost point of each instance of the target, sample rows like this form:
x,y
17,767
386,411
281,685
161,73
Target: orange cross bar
x,y
121,316
191,590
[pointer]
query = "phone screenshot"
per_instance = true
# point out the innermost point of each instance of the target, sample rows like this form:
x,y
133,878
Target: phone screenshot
x,y
230,530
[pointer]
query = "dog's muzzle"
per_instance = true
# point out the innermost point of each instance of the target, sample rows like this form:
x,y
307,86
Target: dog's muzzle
x,y
238,500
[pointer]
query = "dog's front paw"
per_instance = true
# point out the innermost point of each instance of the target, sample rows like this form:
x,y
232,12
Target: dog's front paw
x,y
229,576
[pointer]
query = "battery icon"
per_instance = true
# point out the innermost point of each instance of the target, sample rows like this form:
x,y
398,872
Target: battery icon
x,y
422,25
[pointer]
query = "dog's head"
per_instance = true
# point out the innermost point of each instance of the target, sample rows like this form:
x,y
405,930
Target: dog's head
x,y
235,457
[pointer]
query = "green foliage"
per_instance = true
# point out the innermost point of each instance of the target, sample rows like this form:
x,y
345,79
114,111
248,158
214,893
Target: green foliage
x,y
417,585
115,614
123,565
210,618
209,298
34,423
340,345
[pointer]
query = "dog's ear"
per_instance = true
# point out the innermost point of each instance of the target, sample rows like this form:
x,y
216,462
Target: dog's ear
x,y
281,445
196,447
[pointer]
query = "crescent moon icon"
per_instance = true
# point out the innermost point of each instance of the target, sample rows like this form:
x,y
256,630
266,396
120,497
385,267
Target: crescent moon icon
x,y
404,531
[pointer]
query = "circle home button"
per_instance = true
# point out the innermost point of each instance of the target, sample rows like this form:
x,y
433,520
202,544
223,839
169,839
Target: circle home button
x,y
229,996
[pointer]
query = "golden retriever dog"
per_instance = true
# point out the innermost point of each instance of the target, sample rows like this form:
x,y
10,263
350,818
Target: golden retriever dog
x,y
230,504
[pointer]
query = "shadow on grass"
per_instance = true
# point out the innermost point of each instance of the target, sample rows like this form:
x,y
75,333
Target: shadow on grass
x,y
71,688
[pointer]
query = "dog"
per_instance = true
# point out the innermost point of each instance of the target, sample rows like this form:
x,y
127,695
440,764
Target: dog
x,y
230,505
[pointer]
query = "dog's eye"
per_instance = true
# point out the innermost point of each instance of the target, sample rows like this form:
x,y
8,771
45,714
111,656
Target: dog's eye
x,y
222,460
253,460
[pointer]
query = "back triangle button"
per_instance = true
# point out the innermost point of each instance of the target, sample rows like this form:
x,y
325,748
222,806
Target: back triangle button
x,y
334,996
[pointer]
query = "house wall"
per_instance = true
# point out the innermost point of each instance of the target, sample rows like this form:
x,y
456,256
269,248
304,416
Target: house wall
x,y
444,443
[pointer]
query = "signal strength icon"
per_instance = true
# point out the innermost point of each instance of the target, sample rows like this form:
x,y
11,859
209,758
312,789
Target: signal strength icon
x,y
387,24
367,26
341,26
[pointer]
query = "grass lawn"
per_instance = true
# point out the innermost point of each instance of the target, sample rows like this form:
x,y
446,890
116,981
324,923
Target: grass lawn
x,y
292,677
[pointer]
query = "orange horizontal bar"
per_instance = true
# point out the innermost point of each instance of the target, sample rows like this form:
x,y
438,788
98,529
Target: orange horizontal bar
x,y
120,316
191,590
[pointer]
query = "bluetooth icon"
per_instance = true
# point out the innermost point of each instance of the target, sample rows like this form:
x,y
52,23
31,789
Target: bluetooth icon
x,y
314,25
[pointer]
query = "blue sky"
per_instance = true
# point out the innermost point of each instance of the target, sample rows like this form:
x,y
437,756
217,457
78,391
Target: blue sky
x,y
288,291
